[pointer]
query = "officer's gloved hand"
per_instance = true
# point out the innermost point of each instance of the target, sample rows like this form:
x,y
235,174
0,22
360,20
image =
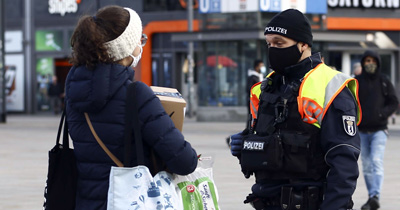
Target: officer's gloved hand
x,y
236,144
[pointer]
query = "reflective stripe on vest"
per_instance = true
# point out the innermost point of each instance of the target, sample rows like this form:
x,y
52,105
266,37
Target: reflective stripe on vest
x,y
255,92
318,90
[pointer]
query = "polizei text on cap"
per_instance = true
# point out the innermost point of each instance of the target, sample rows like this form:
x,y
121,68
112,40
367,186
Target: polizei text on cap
x,y
276,29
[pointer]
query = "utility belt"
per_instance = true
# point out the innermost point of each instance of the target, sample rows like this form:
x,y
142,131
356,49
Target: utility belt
x,y
309,198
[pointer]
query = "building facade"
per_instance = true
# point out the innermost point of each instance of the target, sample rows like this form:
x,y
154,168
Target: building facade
x,y
227,36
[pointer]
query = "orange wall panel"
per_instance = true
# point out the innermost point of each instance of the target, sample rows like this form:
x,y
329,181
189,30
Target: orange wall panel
x,y
373,24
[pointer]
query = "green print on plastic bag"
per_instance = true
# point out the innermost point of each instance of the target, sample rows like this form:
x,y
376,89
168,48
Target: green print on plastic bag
x,y
191,197
206,187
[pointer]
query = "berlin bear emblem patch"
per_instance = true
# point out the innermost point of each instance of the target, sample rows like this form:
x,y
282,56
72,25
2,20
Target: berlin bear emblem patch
x,y
349,123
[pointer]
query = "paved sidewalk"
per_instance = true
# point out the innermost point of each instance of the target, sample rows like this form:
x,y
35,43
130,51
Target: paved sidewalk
x,y
26,139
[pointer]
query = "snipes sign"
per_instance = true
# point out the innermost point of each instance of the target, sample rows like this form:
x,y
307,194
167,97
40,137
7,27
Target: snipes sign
x,y
63,6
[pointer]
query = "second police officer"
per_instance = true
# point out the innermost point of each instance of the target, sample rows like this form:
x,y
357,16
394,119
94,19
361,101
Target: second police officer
x,y
303,143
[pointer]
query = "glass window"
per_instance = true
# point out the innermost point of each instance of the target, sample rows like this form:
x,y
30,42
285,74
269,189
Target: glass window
x,y
220,75
354,58
164,5
155,60
167,67
44,73
218,21
223,69
386,63
13,9
334,60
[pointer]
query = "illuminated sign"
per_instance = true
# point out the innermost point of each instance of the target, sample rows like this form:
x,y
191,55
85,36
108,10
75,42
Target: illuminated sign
x,y
378,4
63,6
48,40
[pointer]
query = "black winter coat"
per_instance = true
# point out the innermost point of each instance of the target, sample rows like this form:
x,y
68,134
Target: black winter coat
x,y
377,98
102,94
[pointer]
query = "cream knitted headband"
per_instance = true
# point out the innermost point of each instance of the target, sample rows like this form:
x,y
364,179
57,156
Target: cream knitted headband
x,y
124,45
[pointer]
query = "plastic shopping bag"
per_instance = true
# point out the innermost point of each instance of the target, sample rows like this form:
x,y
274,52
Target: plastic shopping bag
x,y
198,190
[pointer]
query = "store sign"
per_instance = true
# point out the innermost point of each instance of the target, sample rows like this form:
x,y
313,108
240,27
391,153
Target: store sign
x,y
377,4
63,6
225,6
305,6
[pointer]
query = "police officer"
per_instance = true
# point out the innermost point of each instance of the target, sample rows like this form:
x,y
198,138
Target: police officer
x,y
303,143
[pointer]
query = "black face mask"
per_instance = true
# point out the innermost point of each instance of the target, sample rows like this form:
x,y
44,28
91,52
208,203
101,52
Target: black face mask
x,y
280,58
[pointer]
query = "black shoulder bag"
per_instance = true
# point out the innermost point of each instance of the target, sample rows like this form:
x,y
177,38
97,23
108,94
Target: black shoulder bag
x,y
62,175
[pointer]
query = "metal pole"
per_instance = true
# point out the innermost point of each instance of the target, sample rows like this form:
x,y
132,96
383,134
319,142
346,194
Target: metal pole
x,y
3,111
29,71
190,59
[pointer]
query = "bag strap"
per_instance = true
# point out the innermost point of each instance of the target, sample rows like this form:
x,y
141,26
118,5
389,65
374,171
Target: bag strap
x,y
102,145
132,120
63,121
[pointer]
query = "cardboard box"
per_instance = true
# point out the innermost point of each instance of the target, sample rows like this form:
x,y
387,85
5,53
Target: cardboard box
x,y
173,103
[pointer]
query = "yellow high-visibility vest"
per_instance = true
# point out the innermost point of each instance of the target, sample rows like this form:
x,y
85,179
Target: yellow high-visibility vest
x,y
318,89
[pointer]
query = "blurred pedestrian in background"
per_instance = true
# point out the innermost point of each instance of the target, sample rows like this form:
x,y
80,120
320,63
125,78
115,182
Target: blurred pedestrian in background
x,y
357,69
43,96
105,48
254,75
378,101
56,95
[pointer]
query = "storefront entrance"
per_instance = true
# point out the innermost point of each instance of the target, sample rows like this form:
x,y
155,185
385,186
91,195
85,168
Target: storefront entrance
x,y
51,74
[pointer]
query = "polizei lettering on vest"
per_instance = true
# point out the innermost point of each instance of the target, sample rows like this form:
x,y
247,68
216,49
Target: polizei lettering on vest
x,y
253,145
276,29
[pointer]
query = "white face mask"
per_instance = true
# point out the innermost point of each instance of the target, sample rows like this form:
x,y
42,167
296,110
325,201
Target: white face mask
x,y
136,59
263,70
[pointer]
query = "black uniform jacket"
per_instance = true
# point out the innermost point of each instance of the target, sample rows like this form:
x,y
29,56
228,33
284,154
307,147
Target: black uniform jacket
x,y
341,149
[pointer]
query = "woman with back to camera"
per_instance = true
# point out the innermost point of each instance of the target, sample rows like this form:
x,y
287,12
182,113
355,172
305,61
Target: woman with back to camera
x,y
105,47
